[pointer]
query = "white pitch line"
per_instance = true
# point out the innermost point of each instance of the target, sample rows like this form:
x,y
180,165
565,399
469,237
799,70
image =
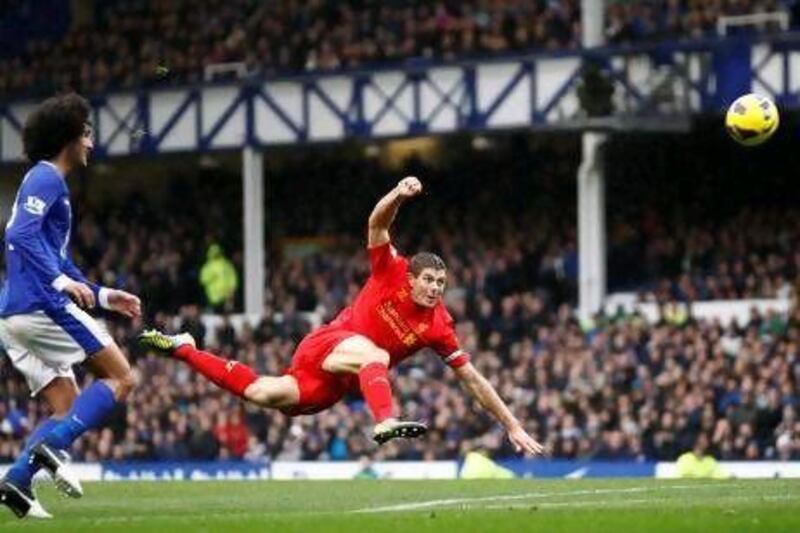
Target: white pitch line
x,y
627,502
586,503
414,506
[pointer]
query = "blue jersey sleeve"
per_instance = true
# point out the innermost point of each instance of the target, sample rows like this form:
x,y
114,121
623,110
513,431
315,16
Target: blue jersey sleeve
x,y
36,196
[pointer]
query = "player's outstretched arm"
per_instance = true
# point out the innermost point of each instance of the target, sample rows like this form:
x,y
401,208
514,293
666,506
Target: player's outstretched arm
x,y
382,216
482,390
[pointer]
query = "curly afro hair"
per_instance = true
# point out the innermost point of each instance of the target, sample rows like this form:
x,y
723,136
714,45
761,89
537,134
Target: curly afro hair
x,y
59,121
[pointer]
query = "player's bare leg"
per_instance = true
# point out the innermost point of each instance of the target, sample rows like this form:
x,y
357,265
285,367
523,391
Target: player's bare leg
x,y
111,366
113,369
274,392
355,355
59,394
359,355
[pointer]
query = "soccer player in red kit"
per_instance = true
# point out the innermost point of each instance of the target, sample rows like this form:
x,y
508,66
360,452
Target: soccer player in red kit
x,y
398,312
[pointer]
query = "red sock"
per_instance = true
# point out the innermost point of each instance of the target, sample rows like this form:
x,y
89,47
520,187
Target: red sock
x,y
230,375
377,391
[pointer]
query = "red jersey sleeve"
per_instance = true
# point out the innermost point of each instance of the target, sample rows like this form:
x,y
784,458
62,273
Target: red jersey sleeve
x,y
446,344
384,259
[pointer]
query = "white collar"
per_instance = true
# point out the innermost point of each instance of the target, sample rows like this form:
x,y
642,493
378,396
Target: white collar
x,y
58,170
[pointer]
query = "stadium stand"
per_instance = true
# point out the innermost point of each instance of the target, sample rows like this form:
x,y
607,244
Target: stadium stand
x,y
614,388
238,148
145,43
617,388
620,390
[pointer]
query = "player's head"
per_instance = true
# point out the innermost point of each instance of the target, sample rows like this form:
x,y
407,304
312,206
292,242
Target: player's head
x,y
59,128
427,274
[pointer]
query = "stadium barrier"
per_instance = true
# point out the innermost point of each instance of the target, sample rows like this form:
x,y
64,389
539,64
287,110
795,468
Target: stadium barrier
x,y
722,310
579,469
743,469
283,470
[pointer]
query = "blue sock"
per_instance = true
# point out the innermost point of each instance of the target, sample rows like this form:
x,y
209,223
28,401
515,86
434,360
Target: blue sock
x,y
89,411
22,471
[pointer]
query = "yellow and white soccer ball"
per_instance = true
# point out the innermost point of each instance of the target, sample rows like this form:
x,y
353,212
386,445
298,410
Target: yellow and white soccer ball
x,y
752,119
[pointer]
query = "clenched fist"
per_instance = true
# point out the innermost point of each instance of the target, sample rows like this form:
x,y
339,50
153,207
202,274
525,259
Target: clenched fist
x,y
408,187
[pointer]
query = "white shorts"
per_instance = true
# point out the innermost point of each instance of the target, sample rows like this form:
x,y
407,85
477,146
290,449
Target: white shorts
x,y
44,345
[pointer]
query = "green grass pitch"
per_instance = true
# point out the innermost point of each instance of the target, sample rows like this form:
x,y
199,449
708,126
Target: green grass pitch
x,y
419,506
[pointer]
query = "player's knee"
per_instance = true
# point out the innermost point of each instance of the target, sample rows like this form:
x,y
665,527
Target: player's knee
x,y
271,392
124,385
376,356
263,393
258,393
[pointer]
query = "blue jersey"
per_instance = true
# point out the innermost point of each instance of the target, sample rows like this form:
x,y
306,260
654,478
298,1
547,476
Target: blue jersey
x,y
36,245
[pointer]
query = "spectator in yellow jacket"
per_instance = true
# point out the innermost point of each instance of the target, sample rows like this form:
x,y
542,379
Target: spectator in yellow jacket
x,y
696,464
218,277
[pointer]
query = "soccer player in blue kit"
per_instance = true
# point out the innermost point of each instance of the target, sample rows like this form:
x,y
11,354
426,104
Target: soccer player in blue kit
x,y
44,326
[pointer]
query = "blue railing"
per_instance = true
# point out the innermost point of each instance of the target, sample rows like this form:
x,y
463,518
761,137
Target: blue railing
x,y
536,90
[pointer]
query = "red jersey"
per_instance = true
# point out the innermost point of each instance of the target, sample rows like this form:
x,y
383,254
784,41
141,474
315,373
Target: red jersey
x,y
384,312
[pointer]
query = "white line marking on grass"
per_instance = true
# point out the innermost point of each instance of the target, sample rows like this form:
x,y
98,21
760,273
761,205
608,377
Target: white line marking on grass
x,y
627,502
586,503
415,506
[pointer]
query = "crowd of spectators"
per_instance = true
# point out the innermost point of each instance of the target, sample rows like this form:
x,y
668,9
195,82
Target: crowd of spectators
x,y
613,388
131,43
156,247
620,389
518,233
666,238
752,255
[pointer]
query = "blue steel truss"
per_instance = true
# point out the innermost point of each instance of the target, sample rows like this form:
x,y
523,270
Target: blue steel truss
x,y
526,91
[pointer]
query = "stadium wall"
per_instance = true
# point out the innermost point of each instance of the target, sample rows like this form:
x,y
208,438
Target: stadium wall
x,y
321,470
527,91
722,310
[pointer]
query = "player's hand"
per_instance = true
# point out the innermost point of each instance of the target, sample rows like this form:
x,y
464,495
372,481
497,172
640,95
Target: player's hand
x,y
80,293
523,442
409,187
124,303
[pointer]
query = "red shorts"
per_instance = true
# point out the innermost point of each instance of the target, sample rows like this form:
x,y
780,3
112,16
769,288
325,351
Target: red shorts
x,y
319,389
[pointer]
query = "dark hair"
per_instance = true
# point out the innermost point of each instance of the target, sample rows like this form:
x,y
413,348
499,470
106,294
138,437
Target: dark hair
x,y
424,260
59,121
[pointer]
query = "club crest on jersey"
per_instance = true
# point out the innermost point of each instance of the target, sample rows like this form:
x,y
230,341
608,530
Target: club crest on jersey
x,y
410,339
34,205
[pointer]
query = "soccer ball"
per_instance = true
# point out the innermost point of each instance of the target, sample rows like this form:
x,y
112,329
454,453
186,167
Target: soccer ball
x,y
752,119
